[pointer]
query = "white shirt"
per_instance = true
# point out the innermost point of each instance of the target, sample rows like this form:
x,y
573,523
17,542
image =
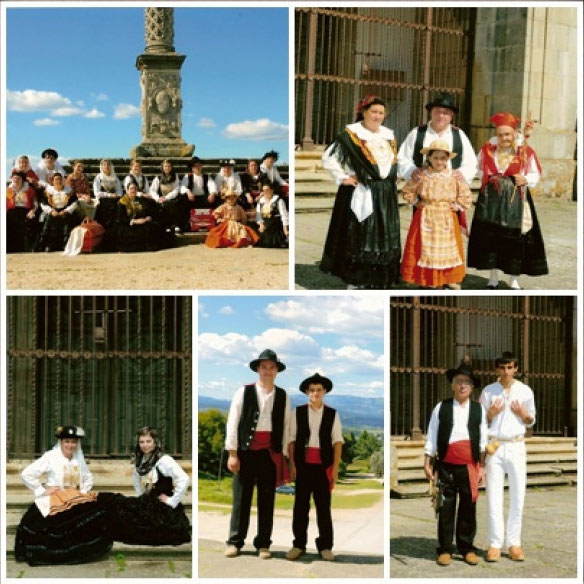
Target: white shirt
x,y
60,201
281,208
44,173
314,421
377,142
508,425
198,185
169,468
141,180
459,428
405,156
233,182
265,405
98,186
171,195
532,175
273,174
53,463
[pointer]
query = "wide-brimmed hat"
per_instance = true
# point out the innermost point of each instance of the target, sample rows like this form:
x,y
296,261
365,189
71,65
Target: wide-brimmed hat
x,y
226,162
463,369
50,152
69,432
438,145
267,355
229,193
314,379
443,100
271,154
196,160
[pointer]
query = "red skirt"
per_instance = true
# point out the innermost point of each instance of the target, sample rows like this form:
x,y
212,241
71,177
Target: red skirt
x,y
429,277
219,237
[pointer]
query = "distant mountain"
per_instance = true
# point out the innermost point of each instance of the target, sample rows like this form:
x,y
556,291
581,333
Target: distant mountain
x,y
354,411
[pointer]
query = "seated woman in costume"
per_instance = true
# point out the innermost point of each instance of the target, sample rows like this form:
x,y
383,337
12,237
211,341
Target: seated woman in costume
x,y
88,233
65,524
165,190
48,167
156,515
137,177
201,196
269,168
77,180
433,255
231,229
22,164
251,181
227,179
21,206
137,230
272,219
58,206
107,188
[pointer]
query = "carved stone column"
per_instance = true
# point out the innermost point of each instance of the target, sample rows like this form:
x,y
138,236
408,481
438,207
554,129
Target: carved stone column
x,y
160,80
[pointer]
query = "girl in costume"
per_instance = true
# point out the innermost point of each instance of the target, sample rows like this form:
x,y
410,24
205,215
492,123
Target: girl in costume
x,y
272,219
108,190
58,205
21,206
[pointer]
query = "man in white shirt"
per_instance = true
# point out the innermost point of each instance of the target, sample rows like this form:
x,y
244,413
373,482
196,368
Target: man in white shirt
x,y
510,409
315,448
256,439
455,450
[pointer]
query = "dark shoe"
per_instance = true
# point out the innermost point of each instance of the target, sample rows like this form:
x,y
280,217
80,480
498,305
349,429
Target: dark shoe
x,y
492,286
471,558
493,554
516,553
444,560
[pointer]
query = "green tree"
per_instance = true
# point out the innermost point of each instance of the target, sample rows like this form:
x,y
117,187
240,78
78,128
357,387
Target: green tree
x,y
212,425
366,445
348,453
376,463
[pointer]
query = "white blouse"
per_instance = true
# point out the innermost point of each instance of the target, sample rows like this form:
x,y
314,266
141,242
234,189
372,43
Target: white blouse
x,y
172,193
169,468
233,182
58,468
281,208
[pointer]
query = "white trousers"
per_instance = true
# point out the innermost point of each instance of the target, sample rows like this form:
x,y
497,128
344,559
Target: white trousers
x,y
509,460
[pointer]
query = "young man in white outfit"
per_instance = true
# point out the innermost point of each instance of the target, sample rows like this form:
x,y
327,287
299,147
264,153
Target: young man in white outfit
x,y
510,409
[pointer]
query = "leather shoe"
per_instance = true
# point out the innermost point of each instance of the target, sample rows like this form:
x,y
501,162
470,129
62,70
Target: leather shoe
x,y
327,555
516,553
264,554
294,553
471,558
231,551
444,560
493,554
492,286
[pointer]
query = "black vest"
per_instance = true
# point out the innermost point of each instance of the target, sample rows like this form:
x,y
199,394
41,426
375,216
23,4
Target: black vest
x,y
446,423
324,434
456,147
191,183
139,185
163,485
250,414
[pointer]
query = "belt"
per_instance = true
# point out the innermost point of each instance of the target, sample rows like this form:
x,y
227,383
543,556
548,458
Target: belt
x,y
516,439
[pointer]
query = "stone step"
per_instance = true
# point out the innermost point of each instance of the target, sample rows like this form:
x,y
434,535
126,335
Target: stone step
x,y
130,551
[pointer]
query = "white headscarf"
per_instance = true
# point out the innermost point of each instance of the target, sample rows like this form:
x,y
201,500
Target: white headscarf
x,y
78,457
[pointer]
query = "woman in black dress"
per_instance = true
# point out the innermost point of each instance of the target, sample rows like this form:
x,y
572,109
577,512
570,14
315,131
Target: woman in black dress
x,y
65,524
272,219
363,241
155,516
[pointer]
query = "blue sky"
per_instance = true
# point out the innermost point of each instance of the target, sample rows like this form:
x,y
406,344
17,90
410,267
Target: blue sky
x,y
341,337
72,83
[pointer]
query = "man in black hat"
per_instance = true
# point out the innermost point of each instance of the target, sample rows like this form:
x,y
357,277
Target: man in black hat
x,y
316,443
201,193
48,167
227,179
410,159
455,449
257,438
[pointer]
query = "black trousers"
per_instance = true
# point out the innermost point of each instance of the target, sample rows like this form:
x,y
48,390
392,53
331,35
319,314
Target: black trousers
x,y
454,478
256,467
311,479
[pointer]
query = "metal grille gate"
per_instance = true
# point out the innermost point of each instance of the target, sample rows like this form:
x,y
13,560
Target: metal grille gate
x,y
431,335
109,364
403,55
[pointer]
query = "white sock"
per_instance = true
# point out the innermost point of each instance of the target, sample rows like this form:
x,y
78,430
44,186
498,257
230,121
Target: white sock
x,y
493,278
514,283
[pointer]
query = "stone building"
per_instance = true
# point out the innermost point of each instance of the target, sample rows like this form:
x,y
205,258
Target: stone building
x,y
520,59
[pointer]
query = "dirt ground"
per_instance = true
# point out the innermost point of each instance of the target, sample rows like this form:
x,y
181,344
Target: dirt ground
x,y
187,267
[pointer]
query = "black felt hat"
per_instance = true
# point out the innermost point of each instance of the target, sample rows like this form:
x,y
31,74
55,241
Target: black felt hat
x,y
196,160
271,154
267,355
443,100
69,432
463,369
227,162
50,152
316,378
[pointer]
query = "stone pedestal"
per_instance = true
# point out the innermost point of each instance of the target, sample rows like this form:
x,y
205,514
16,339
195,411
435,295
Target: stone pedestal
x,y
160,81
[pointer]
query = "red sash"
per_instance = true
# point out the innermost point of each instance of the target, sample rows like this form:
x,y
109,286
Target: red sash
x,y
460,453
518,164
261,441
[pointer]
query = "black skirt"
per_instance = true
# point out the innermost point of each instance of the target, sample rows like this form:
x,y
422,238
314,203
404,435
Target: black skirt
x,y
273,234
144,520
365,253
492,246
75,536
21,232
55,232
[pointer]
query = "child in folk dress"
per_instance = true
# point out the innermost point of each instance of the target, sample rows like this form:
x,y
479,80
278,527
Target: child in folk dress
x,y
433,255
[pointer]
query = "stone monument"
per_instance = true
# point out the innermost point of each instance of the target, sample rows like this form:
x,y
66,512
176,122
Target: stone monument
x,y
160,80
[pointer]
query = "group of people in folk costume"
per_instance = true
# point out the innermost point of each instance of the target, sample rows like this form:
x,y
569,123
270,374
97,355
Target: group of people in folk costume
x,y
48,210
438,163
69,523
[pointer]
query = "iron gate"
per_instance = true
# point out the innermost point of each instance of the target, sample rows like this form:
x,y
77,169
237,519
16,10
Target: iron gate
x,y
109,364
403,55
431,335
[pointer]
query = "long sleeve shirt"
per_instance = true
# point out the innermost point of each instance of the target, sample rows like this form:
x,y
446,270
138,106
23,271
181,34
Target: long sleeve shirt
x,y
265,405
233,181
273,174
198,185
314,421
172,193
281,209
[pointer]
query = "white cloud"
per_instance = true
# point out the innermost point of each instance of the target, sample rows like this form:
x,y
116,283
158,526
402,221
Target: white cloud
x,y
46,122
206,123
221,347
64,112
31,100
94,113
203,311
353,354
126,110
262,129
226,310
101,97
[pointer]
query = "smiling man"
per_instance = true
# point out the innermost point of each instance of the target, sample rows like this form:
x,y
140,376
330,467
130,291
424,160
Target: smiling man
x,y
256,438
455,449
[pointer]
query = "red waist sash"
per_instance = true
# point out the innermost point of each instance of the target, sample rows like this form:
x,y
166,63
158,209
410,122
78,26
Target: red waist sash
x,y
262,441
461,453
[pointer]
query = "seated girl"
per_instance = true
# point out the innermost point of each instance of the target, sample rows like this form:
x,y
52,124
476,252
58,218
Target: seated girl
x,y
231,229
58,205
137,177
88,234
165,190
108,190
272,218
21,206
